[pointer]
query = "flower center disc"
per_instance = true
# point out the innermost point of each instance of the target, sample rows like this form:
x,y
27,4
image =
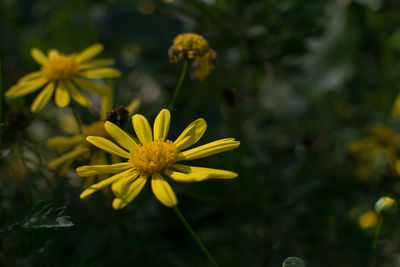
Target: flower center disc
x,y
60,68
154,157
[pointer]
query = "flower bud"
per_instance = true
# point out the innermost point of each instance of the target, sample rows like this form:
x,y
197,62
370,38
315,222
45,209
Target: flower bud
x,y
385,205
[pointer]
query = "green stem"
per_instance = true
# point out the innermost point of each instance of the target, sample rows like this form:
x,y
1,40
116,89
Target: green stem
x,y
376,239
195,237
1,104
179,85
78,120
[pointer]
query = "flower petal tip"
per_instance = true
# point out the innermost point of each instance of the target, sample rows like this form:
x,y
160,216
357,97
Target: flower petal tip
x,y
118,204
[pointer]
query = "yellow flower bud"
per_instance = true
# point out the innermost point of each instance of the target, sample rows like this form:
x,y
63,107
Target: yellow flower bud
x,y
385,205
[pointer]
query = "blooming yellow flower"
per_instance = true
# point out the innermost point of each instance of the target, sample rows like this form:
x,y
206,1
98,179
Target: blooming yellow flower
x,y
154,158
65,75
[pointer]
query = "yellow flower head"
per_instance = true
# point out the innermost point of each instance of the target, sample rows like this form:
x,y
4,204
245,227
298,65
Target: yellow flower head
x,y
65,75
187,46
154,158
368,219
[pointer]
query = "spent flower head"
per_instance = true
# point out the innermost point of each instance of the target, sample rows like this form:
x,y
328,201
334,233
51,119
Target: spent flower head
x,y
191,46
64,75
154,158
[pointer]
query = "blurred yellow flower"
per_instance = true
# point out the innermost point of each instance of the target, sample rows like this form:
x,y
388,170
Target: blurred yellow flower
x,y
154,158
65,75
191,46
368,219
375,153
79,149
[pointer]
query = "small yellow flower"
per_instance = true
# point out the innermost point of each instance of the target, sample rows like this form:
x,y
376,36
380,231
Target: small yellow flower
x,y
368,219
385,205
153,159
65,75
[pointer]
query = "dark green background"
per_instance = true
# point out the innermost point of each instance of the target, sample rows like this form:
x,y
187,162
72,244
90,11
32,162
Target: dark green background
x,y
295,80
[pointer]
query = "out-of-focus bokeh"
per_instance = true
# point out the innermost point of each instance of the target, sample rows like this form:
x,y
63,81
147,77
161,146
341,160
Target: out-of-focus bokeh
x,y
307,86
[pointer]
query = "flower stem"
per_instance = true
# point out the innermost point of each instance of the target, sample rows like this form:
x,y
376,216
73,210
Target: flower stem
x,y
195,237
1,104
179,84
376,239
78,120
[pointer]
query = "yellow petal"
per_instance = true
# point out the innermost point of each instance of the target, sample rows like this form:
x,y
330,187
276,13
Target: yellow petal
x,y
61,143
38,56
396,107
120,187
132,191
77,95
65,167
210,149
161,125
191,134
107,145
122,138
86,171
163,191
70,155
90,86
62,96
25,88
107,103
43,98
95,187
52,53
31,76
133,105
142,128
89,53
186,177
212,173
100,73
97,63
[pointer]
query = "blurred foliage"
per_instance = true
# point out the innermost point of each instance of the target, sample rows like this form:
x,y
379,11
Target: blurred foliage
x,y
295,81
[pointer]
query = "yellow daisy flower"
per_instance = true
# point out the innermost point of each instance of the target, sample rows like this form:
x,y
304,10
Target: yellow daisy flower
x,y
65,75
153,159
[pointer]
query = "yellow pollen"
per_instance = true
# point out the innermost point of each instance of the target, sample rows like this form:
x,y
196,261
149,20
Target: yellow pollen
x,y
61,67
154,157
